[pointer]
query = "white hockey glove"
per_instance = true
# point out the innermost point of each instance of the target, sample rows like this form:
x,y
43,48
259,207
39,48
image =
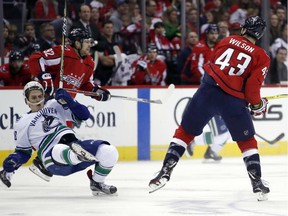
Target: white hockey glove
x,y
142,64
260,108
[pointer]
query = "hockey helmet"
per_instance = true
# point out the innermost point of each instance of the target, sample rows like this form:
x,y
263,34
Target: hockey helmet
x,y
32,85
255,26
16,55
152,47
212,28
78,34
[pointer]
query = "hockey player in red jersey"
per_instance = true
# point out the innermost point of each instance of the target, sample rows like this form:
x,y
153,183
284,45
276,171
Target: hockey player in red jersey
x,y
78,65
16,72
232,80
148,70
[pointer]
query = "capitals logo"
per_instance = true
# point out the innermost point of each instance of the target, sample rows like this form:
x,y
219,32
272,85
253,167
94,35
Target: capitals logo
x,y
72,80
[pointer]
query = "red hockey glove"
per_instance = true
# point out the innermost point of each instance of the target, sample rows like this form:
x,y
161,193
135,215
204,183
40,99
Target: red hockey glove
x,y
260,108
47,82
102,94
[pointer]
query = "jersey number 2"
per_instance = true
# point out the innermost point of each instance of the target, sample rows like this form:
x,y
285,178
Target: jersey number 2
x,y
225,58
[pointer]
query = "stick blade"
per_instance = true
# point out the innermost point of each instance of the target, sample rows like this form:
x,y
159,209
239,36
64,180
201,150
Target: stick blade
x,y
168,93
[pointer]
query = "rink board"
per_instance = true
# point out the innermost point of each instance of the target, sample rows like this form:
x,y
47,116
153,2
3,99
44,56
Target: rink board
x,y
142,131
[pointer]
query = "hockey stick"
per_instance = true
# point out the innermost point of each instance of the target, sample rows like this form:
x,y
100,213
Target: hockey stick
x,y
272,142
276,96
168,93
87,93
64,33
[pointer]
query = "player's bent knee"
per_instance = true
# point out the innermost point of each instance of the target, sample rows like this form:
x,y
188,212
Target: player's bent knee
x,y
107,155
56,153
245,145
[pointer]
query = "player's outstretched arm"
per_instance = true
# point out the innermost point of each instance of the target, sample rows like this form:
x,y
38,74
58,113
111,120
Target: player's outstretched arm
x,y
78,110
12,163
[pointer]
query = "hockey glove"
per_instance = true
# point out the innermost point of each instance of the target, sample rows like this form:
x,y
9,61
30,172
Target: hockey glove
x,y
142,64
47,82
63,97
102,94
78,110
260,108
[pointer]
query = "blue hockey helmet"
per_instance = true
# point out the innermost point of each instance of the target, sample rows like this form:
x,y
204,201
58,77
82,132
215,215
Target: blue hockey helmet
x,y
212,28
16,55
255,26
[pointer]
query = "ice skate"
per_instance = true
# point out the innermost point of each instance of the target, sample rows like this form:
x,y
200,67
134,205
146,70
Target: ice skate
x,y
211,156
100,188
38,169
163,176
260,187
83,154
5,179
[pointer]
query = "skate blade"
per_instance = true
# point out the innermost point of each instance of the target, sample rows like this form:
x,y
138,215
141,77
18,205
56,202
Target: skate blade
x,y
154,187
210,161
100,194
261,196
81,151
36,171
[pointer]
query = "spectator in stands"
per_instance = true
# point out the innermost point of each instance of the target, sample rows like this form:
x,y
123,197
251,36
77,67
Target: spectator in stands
x,y
46,9
16,72
183,61
106,62
275,30
135,13
151,17
7,47
202,53
171,23
122,9
23,41
10,39
85,24
95,18
237,14
235,28
223,30
278,70
191,20
280,42
163,44
47,39
282,15
217,10
148,70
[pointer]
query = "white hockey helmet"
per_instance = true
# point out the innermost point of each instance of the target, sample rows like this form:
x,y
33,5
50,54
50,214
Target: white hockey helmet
x,y
32,85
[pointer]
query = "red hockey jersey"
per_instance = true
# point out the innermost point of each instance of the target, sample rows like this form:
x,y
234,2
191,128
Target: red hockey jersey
x,y
201,54
78,72
239,67
18,79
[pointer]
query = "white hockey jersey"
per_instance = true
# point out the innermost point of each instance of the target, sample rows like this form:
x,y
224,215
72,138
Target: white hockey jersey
x,y
43,129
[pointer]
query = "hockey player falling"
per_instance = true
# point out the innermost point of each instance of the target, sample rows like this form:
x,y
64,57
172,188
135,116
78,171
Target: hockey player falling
x,y
44,129
232,80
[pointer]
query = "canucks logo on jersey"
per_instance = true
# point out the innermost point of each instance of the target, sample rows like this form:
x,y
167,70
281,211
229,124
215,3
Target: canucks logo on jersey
x,y
47,123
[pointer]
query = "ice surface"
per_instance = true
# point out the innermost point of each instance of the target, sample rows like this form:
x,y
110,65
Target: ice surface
x,y
194,189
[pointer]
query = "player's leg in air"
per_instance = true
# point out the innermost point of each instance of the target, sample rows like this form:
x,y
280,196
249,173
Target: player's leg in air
x,y
215,139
